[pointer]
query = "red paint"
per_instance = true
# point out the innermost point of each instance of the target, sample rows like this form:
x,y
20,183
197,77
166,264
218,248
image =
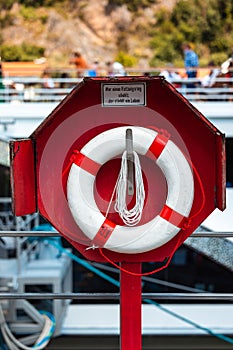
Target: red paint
x,y
103,234
80,117
157,146
221,172
130,308
85,163
172,216
23,177
44,160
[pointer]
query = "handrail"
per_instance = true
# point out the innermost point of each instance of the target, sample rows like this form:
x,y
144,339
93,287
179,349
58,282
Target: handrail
x,y
116,296
47,234
31,89
189,296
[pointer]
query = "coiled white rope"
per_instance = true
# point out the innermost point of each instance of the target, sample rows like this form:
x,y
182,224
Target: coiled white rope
x,y
133,216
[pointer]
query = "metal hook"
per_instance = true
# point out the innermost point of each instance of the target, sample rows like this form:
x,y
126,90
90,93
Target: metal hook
x,y
130,161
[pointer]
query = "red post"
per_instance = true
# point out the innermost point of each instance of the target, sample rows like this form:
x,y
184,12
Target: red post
x,y
130,307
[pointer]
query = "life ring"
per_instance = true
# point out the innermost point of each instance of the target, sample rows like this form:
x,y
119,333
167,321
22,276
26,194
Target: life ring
x,y
124,239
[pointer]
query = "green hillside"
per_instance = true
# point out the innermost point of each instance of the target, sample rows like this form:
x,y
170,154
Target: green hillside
x,y
134,31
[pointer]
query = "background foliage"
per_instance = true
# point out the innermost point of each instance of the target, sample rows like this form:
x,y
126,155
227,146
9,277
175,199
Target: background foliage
x,y
24,52
206,24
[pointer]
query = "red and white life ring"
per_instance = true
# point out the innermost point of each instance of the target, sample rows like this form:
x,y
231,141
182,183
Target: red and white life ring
x,y
124,239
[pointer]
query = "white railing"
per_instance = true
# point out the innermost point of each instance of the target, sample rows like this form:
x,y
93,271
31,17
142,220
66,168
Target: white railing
x,y
18,90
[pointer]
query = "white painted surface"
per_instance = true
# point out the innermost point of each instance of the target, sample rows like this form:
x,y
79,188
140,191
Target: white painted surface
x,y
28,116
222,220
104,319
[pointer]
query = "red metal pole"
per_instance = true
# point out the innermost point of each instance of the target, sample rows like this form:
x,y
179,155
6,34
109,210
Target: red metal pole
x,y
130,307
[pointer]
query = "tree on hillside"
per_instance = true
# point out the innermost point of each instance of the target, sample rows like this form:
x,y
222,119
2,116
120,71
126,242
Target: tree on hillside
x,y
206,24
203,23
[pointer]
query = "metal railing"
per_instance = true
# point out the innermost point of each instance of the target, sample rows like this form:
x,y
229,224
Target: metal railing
x,y
19,90
199,295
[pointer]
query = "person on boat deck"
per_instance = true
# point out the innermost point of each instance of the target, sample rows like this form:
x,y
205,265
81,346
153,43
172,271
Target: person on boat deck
x,y
210,79
48,82
191,62
171,75
115,69
227,66
80,63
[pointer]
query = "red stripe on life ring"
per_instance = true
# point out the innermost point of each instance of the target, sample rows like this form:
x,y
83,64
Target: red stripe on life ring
x,y
104,233
173,216
157,146
85,163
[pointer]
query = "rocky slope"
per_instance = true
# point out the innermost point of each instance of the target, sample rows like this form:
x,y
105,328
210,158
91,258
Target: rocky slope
x,y
90,26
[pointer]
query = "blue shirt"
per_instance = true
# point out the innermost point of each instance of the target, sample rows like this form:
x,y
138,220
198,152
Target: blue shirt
x,y
191,61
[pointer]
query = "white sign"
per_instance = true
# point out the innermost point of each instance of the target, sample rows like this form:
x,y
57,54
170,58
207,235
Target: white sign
x,y
124,94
